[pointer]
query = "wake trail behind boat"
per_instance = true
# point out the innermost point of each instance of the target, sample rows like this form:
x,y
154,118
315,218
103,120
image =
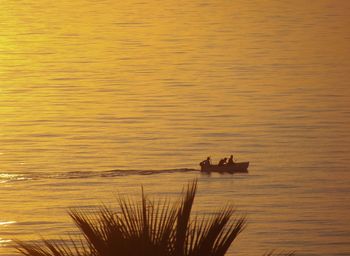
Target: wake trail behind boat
x,y
5,177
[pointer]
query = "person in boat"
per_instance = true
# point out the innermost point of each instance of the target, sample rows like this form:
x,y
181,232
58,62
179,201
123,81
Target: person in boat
x,y
222,162
205,162
231,160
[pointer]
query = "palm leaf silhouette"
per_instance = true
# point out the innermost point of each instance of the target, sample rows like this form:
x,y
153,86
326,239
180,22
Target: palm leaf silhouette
x,y
148,228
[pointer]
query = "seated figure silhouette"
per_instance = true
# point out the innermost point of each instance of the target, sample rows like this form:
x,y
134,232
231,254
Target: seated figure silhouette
x,y
222,162
231,161
205,162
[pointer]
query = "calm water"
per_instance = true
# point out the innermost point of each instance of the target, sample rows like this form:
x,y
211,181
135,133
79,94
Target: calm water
x,y
87,87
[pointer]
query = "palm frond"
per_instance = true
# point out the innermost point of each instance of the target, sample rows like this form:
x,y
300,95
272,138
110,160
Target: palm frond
x,y
148,227
183,217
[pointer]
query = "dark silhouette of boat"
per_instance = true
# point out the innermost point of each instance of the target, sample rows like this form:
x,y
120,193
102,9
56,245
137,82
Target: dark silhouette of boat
x,y
230,168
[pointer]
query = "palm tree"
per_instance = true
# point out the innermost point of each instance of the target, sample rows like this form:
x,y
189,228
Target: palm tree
x,y
151,228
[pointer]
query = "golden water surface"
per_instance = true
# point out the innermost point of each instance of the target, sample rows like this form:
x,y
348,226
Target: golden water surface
x,y
87,87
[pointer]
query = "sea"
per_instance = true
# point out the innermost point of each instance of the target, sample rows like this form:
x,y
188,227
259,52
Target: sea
x,y
99,99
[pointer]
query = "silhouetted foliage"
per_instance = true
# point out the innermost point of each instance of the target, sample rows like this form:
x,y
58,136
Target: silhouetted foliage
x,y
150,228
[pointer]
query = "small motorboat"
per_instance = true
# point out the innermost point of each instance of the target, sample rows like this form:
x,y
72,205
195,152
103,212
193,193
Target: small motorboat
x,y
231,168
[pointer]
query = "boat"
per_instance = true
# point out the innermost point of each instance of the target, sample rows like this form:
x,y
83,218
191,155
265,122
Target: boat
x,y
230,168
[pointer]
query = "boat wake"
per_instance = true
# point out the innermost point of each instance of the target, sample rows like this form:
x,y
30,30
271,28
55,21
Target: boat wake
x,y
6,177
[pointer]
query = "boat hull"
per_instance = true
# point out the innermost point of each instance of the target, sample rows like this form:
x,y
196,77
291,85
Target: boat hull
x,y
233,168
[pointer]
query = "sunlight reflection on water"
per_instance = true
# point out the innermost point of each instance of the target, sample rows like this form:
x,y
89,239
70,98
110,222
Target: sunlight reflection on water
x,y
95,94
3,224
7,177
